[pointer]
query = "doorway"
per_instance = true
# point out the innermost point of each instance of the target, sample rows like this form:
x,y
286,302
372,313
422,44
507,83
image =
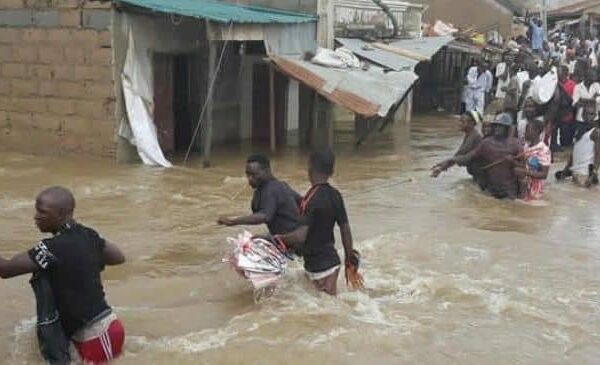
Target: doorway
x,y
261,105
177,96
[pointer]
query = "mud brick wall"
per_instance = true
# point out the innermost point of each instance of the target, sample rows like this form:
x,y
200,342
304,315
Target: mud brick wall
x,y
56,77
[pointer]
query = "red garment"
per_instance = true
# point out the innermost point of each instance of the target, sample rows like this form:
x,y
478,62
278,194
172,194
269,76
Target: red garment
x,y
105,348
569,87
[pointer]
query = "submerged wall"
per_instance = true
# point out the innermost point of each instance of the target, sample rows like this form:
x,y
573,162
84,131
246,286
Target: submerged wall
x,y
56,81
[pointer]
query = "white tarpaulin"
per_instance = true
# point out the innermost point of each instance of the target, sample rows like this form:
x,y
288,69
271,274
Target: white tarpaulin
x,y
138,93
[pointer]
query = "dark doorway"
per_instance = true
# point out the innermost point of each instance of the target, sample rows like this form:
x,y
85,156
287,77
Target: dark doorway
x,y
177,96
164,118
261,105
182,92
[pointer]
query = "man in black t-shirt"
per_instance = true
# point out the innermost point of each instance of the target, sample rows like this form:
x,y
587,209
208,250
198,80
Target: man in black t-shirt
x,y
322,208
274,203
73,259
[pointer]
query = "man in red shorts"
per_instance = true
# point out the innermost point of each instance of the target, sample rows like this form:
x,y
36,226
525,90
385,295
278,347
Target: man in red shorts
x,y
73,258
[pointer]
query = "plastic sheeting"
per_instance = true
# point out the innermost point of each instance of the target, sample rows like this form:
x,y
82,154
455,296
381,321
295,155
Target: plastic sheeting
x,y
138,94
291,39
340,58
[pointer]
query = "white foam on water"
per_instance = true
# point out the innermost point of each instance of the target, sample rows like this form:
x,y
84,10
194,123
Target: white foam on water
x,y
328,337
235,180
204,340
8,204
24,341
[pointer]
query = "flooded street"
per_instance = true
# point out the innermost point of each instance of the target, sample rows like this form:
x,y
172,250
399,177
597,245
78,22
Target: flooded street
x,y
452,276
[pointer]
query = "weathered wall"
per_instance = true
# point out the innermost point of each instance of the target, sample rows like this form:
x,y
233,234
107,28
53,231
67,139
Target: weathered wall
x,y
56,88
479,14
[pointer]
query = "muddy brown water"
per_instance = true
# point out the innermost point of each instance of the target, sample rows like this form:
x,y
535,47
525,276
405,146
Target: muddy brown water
x,y
453,276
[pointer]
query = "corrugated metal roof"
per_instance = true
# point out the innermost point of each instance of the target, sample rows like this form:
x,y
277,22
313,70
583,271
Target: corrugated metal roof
x,y
222,12
381,57
426,47
366,92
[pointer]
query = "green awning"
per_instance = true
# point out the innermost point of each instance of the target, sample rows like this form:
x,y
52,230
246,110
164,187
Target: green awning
x,y
222,12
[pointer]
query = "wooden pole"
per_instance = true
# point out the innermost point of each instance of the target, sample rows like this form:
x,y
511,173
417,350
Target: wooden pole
x,y
212,53
314,129
272,108
330,126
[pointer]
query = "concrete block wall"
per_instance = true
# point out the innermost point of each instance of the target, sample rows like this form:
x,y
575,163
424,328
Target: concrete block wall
x,y
56,78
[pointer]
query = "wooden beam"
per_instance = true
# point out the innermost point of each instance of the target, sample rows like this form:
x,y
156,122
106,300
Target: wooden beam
x,y
212,54
330,125
272,109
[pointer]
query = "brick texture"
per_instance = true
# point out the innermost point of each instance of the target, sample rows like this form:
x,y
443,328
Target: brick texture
x,y
56,86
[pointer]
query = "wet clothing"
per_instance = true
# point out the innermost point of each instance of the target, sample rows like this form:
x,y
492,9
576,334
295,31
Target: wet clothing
x,y
101,341
470,142
279,203
74,259
536,158
501,180
326,281
323,207
583,154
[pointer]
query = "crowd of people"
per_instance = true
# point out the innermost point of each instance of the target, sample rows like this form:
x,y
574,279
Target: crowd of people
x,y
542,99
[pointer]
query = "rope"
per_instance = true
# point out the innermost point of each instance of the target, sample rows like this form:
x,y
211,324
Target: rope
x,y
210,91
381,187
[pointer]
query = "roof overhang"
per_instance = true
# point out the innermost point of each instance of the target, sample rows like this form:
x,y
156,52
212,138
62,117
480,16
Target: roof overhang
x,y
370,93
222,12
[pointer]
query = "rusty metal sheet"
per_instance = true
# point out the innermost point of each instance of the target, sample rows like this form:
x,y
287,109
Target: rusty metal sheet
x,y
369,93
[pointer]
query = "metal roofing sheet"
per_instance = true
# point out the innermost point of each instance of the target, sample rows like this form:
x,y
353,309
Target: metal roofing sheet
x,y
381,57
222,12
366,92
426,47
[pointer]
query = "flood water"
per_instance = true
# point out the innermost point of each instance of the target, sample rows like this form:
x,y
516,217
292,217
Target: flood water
x,y
452,276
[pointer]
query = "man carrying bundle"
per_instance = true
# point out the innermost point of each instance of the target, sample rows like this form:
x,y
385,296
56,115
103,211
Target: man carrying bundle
x,y
274,203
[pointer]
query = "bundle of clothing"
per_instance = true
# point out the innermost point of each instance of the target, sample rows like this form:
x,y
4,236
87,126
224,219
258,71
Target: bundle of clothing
x,y
262,262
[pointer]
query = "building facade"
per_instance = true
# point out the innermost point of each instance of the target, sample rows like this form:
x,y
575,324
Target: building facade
x,y
56,78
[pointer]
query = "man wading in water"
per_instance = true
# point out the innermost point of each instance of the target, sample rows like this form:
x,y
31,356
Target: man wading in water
x,y
321,208
73,257
473,138
274,203
501,180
